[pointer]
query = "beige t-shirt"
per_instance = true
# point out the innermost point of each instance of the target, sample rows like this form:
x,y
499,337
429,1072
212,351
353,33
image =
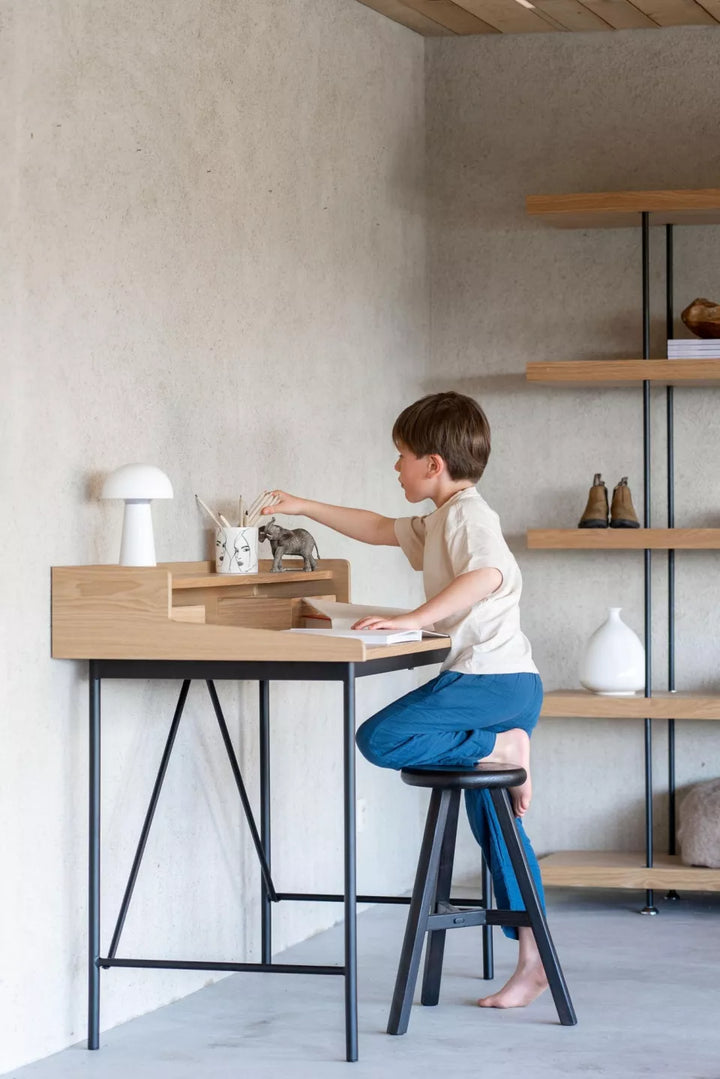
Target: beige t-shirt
x,y
464,535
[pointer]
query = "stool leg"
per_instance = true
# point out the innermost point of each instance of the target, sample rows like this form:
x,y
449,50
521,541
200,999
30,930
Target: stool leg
x,y
435,947
423,894
538,923
487,937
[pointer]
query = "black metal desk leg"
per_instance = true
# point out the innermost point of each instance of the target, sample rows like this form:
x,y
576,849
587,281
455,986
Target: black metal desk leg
x,y
351,1014
94,864
265,901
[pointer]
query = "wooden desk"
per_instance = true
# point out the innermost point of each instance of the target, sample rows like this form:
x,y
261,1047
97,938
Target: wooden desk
x,y
181,620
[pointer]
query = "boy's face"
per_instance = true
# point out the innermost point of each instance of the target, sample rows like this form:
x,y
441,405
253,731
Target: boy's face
x,y
415,474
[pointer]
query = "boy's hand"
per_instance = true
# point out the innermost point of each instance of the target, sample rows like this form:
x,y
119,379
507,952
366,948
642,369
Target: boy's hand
x,y
400,621
285,503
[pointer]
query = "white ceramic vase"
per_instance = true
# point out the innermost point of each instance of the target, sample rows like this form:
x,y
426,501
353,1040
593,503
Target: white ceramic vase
x,y
614,660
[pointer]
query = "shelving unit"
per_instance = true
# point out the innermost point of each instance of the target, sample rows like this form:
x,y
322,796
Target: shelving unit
x,y
640,209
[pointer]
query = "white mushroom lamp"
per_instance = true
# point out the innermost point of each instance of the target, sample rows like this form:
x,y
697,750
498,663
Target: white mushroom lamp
x,y
137,485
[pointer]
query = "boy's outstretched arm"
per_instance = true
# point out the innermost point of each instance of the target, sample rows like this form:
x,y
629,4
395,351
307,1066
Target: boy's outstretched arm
x,y
361,525
461,594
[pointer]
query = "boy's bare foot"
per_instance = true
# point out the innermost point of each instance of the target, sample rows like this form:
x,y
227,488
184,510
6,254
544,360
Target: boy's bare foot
x,y
513,747
521,989
527,981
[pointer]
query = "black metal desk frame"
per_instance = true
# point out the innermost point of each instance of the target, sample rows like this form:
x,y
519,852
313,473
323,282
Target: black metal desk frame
x,y
264,672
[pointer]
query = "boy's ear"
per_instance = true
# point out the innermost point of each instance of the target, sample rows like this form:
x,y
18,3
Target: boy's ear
x,y
436,464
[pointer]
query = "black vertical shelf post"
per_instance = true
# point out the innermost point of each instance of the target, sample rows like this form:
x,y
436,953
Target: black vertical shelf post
x,y
669,324
649,907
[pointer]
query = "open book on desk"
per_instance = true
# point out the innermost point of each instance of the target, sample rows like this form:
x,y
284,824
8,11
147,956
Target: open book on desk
x,y
336,620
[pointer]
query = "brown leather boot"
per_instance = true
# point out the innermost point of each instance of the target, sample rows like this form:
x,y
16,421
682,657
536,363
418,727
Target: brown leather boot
x,y
622,511
596,510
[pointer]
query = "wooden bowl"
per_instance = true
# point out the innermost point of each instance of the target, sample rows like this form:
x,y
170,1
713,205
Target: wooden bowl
x,y
702,317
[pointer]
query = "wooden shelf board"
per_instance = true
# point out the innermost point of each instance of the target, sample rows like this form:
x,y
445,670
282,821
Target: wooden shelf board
x,y
581,704
624,539
622,209
235,580
625,372
622,869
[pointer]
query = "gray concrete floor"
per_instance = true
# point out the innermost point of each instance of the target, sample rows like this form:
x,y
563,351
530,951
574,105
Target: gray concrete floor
x,y
646,990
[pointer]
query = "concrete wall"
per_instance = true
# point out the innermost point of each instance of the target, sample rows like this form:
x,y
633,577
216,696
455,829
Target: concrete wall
x,y
511,116
213,260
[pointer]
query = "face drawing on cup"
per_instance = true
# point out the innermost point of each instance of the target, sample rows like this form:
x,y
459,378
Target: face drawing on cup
x,y
221,544
242,551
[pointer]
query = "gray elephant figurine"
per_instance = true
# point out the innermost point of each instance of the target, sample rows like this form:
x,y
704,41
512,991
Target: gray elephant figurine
x,y
284,541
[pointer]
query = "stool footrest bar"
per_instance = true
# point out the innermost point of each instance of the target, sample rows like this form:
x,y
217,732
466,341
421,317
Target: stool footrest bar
x,y
458,918
508,917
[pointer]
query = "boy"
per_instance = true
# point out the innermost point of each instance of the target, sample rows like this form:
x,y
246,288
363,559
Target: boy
x,y
486,700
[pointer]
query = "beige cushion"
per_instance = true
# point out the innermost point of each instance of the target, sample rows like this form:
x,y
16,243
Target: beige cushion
x,y
699,827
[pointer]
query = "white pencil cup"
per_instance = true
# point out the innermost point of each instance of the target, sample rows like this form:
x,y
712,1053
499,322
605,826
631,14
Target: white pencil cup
x,y
236,550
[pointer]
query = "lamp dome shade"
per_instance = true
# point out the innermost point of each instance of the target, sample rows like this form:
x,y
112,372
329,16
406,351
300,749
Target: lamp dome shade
x,y
137,482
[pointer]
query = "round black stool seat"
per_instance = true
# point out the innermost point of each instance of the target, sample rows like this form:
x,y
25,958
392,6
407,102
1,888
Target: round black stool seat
x,y
485,775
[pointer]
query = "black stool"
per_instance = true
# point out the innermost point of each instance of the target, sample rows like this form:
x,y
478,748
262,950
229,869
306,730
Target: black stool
x,y
431,910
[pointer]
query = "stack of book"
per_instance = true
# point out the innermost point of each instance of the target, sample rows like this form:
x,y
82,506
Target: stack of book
x,y
693,348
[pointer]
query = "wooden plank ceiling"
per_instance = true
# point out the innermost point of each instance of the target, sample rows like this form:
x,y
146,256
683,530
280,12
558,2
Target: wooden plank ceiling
x,y
436,18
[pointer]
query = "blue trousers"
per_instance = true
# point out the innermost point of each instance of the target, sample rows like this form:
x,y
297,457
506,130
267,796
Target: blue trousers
x,y
452,722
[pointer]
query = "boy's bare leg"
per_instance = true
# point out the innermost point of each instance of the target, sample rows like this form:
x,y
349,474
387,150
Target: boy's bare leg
x,y
513,747
527,981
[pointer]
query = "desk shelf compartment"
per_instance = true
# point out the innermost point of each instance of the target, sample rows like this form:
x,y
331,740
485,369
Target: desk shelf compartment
x,y
185,611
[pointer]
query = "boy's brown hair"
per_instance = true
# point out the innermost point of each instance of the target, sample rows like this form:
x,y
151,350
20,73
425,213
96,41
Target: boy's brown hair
x,y
451,425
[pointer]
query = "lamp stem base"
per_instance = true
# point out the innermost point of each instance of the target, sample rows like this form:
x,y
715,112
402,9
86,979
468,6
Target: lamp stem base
x,y
137,547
